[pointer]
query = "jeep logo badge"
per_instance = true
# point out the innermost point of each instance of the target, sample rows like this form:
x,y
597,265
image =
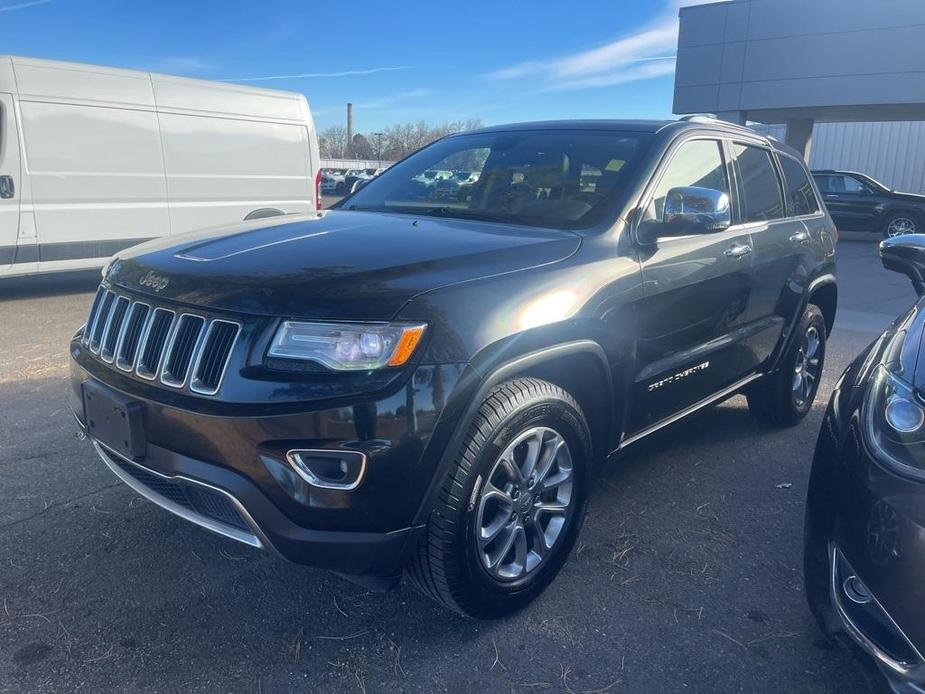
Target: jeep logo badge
x,y
154,281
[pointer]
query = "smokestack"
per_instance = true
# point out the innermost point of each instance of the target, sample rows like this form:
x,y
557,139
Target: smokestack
x,y
349,129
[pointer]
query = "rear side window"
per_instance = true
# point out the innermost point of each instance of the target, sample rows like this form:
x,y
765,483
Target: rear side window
x,y
800,196
759,191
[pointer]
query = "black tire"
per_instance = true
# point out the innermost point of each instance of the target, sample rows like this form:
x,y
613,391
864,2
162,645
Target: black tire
x,y
340,188
909,221
446,565
773,399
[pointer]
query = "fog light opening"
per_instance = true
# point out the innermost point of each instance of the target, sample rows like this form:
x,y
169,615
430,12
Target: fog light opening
x,y
329,469
856,591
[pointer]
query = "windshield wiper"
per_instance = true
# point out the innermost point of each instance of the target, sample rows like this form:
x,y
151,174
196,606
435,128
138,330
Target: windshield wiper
x,y
450,212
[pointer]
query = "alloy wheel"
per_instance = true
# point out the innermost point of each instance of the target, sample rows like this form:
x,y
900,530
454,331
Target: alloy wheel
x,y
524,504
900,226
806,370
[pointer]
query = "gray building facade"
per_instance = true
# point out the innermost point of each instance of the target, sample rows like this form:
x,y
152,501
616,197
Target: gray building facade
x,y
808,62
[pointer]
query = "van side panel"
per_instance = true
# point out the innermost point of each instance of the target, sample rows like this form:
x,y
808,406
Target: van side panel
x,y
219,170
212,98
10,169
230,151
93,156
97,178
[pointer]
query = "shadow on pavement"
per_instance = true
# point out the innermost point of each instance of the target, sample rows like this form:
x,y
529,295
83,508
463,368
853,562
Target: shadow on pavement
x,y
37,286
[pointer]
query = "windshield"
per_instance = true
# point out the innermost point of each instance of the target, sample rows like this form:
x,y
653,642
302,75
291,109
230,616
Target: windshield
x,y
553,178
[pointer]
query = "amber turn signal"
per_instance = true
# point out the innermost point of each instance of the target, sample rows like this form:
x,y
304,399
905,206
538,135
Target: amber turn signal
x,y
407,343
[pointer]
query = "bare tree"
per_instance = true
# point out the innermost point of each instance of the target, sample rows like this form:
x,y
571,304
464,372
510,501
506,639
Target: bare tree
x,y
333,142
393,143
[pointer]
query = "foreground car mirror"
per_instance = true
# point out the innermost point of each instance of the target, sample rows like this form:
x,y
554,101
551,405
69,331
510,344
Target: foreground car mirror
x,y
688,210
906,254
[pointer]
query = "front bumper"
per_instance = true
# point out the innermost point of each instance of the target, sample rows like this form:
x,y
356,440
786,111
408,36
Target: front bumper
x,y
230,474
873,523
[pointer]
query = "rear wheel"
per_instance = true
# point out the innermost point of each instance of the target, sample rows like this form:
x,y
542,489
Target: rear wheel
x,y
786,396
512,504
900,224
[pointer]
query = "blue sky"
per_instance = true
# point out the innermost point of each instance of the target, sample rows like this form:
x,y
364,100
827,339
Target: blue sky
x,y
396,60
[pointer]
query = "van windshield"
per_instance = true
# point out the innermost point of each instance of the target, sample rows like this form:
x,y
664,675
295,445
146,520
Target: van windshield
x,y
568,179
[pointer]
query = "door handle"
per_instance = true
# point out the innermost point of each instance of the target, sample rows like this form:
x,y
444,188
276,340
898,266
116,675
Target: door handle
x,y
7,189
740,250
800,237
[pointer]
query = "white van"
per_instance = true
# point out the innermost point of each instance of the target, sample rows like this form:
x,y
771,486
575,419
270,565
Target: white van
x,y
94,160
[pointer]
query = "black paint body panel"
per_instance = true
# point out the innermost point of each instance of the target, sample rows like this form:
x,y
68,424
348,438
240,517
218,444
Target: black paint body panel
x,y
497,300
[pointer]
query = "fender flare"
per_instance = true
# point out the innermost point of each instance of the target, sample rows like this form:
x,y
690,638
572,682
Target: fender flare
x,y
263,213
820,280
491,377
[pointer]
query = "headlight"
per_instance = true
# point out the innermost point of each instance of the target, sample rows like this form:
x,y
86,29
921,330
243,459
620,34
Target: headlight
x,y
894,423
347,346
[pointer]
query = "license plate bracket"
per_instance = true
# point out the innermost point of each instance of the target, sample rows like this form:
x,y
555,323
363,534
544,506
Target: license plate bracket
x,y
114,419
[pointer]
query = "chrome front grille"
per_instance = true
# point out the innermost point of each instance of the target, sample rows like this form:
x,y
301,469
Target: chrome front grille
x,y
156,344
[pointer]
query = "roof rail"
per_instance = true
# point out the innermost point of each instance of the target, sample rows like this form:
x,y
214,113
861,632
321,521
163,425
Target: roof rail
x,y
703,118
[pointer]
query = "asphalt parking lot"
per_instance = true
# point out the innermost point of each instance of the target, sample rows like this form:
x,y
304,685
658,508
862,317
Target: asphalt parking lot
x,y
687,576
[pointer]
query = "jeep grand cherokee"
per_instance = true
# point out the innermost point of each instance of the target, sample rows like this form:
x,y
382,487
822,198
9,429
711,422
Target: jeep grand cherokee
x,y
407,384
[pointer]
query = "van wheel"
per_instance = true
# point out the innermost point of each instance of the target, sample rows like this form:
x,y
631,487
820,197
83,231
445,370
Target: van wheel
x,y
783,398
512,504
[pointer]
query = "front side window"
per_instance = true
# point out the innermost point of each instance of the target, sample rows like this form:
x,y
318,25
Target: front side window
x,y
840,183
759,191
801,199
553,178
696,163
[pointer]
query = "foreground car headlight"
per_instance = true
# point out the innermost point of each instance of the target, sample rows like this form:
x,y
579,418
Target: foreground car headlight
x,y
347,346
894,423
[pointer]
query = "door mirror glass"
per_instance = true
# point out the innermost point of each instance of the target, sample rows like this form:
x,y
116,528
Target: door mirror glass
x,y
688,210
697,209
691,195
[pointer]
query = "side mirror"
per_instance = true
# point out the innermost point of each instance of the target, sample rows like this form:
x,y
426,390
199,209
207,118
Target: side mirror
x,y
906,254
359,183
688,210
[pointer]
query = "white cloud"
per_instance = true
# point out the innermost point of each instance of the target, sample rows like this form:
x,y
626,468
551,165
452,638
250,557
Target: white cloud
x,y
22,5
382,102
631,73
344,73
393,99
646,53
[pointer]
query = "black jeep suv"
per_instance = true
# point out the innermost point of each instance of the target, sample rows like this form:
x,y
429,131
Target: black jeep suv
x,y
426,386
859,203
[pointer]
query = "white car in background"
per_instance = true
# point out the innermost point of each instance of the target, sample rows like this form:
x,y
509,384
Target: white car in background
x,y
94,160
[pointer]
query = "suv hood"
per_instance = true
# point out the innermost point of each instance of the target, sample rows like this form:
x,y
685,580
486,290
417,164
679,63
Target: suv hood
x,y
332,265
909,197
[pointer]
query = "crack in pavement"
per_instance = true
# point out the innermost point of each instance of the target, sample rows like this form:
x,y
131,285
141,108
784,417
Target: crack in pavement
x,y
60,505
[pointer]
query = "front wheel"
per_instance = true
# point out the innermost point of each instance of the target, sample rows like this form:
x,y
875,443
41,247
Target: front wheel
x,y
511,505
785,397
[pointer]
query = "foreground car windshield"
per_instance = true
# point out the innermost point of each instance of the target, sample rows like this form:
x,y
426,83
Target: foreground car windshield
x,y
559,179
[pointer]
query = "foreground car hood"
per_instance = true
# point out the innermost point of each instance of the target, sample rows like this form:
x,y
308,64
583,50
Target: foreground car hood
x,y
335,265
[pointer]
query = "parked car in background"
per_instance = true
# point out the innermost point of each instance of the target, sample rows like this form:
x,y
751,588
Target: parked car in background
x,y
431,177
352,179
400,384
859,203
333,181
93,160
865,516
